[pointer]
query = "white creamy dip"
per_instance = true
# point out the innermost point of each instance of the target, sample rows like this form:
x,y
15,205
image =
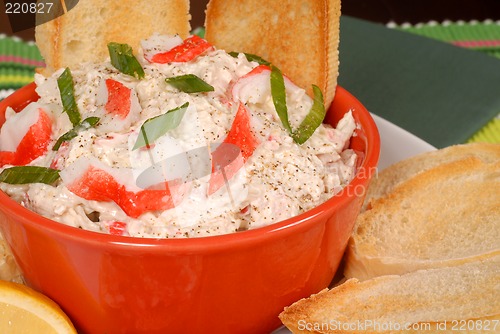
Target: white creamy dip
x,y
280,179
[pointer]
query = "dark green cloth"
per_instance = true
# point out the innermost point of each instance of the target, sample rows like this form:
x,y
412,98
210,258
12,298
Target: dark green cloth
x,y
442,93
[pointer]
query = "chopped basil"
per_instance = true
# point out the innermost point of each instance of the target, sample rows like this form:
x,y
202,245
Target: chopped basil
x,y
189,83
156,127
278,94
313,119
67,91
251,57
124,61
29,174
86,124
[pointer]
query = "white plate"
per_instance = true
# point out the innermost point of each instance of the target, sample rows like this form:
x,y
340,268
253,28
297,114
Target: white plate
x,y
395,144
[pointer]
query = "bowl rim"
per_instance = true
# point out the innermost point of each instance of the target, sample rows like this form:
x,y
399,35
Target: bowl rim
x,y
295,224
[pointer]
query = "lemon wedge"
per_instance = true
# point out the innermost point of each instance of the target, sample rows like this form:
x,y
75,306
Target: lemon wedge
x,y
24,310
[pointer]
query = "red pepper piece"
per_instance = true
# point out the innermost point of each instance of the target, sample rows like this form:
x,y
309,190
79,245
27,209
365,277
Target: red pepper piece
x,y
192,47
117,228
135,204
241,136
118,98
257,70
96,185
34,143
249,82
99,185
241,133
7,158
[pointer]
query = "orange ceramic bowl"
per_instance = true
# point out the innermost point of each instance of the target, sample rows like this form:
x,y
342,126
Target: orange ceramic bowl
x,y
236,283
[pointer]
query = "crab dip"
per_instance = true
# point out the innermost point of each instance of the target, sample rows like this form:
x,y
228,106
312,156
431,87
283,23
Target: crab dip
x,y
180,140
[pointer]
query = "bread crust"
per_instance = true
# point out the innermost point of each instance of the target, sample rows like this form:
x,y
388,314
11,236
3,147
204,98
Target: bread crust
x,y
301,37
9,271
423,298
82,34
389,178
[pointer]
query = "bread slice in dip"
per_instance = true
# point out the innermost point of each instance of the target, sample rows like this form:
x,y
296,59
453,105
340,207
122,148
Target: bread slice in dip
x,y
82,34
301,37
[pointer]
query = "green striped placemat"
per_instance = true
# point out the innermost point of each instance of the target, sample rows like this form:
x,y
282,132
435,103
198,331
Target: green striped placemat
x,y
18,60
480,36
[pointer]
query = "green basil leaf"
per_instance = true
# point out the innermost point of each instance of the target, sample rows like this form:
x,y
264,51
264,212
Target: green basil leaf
x,y
313,119
86,124
156,127
29,174
124,61
189,83
67,92
278,94
251,57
